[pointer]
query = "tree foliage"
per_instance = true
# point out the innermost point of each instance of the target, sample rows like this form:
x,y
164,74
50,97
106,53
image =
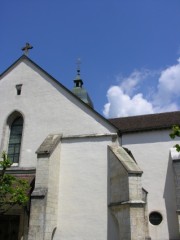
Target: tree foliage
x,y
175,133
13,191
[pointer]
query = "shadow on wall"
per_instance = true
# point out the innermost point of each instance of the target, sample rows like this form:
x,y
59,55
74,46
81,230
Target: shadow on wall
x,y
113,227
170,202
146,137
53,233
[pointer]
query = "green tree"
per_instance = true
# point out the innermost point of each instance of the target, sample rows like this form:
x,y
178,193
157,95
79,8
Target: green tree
x,y
13,191
175,133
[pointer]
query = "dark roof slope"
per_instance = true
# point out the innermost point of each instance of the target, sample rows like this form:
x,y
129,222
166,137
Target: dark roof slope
x,y
146,122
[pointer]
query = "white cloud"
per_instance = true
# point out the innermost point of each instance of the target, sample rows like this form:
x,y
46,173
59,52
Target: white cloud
x,y
130,84
168,85
120,104
127,99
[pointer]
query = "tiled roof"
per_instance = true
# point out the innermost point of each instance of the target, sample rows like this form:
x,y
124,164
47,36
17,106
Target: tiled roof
x,y
146,122
30,178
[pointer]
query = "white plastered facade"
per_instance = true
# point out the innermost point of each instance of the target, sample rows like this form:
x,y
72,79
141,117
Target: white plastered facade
x,y
152,151
47,108
70,196
74,181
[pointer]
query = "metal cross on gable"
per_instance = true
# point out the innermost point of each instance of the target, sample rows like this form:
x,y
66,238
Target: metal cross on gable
x,y
26,48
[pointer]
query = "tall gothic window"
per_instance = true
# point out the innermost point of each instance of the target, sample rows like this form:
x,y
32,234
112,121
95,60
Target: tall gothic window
x,y
15,139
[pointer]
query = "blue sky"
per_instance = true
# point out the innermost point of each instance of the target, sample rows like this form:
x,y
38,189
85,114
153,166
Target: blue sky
x,y
129,49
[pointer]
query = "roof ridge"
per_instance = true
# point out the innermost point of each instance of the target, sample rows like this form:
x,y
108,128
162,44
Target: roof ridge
x,y
146,115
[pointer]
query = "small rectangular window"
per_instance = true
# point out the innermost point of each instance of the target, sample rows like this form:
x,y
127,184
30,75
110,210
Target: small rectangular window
x,y
18,89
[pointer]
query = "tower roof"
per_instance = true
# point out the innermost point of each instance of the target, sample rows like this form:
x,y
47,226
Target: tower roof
x,y
79,91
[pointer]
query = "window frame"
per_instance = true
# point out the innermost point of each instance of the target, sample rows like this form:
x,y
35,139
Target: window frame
x,y
6,133
15,140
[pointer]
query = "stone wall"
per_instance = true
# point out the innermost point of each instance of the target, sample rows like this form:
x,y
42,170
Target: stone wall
x,y
126,200
176,167
44,203
151,151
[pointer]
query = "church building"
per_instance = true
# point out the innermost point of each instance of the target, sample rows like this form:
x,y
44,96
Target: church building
x,y
91,178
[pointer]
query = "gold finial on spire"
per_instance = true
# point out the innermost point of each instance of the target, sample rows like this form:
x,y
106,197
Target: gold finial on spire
x,y
26,48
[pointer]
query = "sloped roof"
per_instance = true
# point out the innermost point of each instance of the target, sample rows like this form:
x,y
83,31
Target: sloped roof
x,y
24,57
49,144
147,122
23,173
126,160
83,95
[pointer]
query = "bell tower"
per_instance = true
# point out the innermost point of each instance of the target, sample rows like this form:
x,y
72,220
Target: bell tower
x,y
78,89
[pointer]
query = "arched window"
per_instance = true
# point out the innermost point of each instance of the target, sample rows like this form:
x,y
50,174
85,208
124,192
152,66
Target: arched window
x,y
15,139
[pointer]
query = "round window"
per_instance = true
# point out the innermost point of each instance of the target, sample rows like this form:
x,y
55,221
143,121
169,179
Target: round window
x,y
155,218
